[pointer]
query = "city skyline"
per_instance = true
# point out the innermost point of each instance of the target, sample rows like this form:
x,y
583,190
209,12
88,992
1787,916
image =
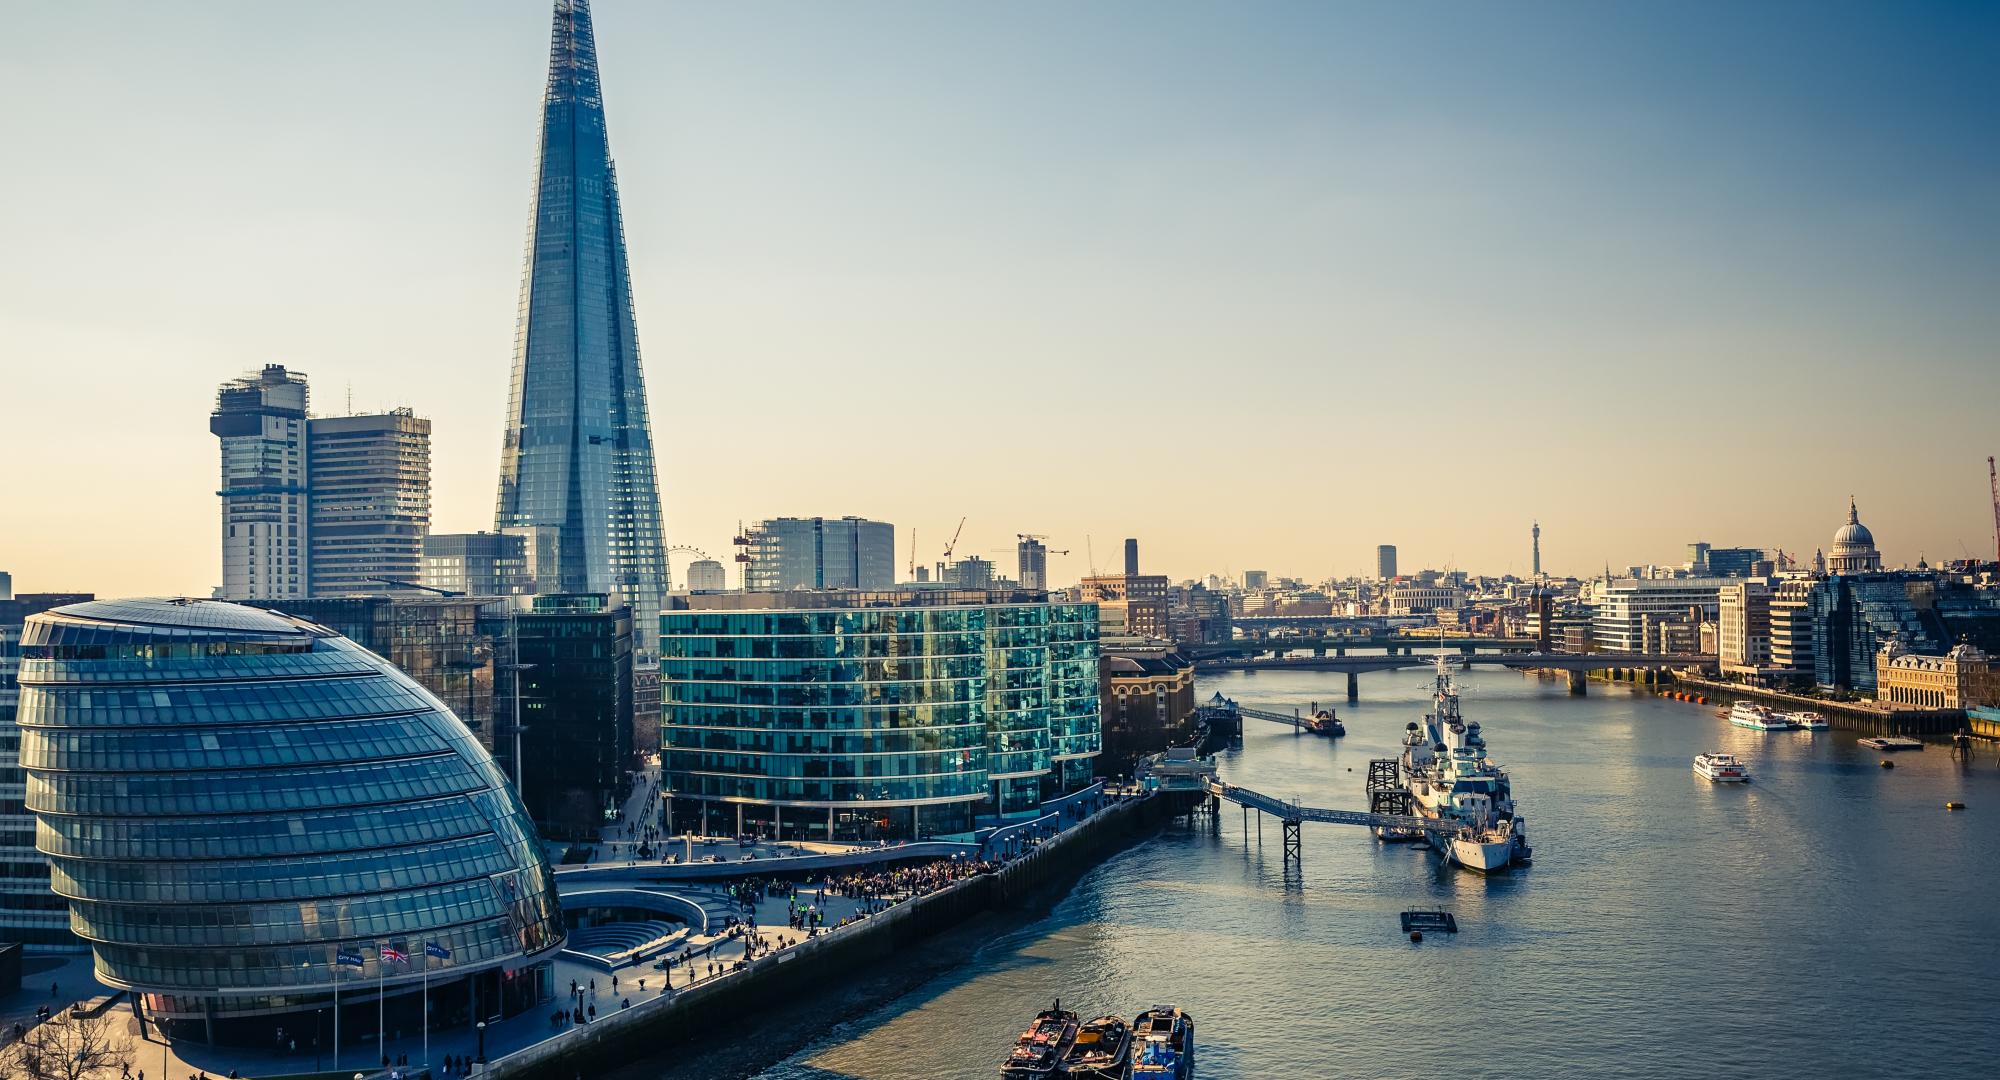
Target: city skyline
x,y
1750,266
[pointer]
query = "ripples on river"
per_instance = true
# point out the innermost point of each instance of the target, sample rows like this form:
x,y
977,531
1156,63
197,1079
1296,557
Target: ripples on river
x,y
1829,919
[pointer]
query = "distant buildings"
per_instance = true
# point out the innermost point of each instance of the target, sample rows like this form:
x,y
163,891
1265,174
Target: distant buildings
x,y
1256,580
819,553
1853,547
856,715
1385,562
233,801
1417,599
706,575
320,506
1743,626
1623,610
1130,605
1032,557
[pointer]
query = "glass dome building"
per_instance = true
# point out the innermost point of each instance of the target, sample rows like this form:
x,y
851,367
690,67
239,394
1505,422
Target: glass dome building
x,y
243,809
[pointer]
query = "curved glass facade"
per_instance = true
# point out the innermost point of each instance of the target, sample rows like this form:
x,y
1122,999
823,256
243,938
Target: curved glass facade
x,y
859,722
230,797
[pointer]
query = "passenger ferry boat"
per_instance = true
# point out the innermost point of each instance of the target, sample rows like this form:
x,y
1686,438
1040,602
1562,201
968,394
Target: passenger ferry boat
x,y
1749,714
1721,768
1102,1051
1038,1053
1445,768
1808,721
1163,1044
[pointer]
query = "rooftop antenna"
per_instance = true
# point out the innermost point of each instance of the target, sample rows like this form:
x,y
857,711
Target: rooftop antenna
x,y
350,397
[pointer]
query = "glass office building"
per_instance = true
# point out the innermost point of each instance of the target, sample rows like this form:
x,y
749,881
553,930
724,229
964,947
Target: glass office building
x,y
872,715
231,799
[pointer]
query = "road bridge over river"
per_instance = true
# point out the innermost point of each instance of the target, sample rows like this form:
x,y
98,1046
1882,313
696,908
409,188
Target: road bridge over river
x,y
1576,664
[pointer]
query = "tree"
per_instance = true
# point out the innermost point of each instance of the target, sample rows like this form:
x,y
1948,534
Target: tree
x,y
68,1047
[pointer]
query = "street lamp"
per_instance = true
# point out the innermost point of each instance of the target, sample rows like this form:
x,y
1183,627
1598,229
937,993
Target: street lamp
x,y
481,1058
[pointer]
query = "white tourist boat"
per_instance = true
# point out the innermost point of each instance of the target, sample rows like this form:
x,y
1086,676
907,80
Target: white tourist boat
x,y
1450,779
1808,721
1749,714
1721,768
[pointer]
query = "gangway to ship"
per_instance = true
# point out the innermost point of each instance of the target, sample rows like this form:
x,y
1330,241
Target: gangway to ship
x,y
1291,815
1318,721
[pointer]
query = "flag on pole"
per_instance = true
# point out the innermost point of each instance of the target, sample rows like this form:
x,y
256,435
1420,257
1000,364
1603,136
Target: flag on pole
x,y
436,951
351,959
390,952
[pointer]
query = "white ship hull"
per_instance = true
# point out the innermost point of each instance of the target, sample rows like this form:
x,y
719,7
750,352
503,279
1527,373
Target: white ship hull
x,y
1486,857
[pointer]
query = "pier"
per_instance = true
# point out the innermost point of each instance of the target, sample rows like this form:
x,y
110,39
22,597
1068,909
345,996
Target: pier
x,y
1291,815
1311,721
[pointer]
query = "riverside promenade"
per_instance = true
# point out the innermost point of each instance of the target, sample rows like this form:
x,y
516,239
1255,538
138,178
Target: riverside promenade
x,y
719,971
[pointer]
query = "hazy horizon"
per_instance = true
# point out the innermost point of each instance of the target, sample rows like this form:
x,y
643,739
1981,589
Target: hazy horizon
x,y
1262,285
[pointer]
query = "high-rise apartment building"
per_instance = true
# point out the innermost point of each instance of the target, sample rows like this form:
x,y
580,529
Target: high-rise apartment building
x,y
320,506
1385,562
30,912
1033,558
266,524
577,709
578,449
819,553
368,481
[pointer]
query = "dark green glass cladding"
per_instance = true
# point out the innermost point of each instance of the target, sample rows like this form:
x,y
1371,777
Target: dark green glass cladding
x,y
578,449
875,707
226,799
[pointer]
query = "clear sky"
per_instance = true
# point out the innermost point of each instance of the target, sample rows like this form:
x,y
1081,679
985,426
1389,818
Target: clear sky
x,y
1264,284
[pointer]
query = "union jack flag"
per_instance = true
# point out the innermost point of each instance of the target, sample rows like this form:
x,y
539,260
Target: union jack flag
x,y
390,952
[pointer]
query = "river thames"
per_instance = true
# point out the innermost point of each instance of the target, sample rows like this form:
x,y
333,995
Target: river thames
x,y
1829,919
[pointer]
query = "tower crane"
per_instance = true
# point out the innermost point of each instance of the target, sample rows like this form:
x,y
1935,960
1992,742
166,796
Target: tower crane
x,y
949,548
1993,478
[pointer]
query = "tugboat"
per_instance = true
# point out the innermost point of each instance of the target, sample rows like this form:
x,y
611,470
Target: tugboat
x,y
1038,1053
1163,1044
1450,779
1102,1051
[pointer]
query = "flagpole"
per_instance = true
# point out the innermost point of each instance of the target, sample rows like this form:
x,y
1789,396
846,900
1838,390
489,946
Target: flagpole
x,y
381,985
427,1003
337,965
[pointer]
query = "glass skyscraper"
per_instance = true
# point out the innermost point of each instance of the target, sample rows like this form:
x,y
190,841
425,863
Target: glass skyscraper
x,y
578,452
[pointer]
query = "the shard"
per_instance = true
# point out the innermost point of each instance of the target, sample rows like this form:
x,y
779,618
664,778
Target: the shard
x,y
578,454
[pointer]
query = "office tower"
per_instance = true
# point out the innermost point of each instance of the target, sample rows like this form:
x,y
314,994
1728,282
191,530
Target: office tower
x,y
1743,627
1033,558
1698,559
29,912
266,796
6,585
1734,562
368,483
706,575
578,449
1254,580
1131,557
819,553
986,701
577,707
477,564
266,524
1385,561
1538,548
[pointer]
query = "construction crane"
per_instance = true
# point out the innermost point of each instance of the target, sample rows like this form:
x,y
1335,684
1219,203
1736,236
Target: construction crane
x,y
1993,477
913,554
413,585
